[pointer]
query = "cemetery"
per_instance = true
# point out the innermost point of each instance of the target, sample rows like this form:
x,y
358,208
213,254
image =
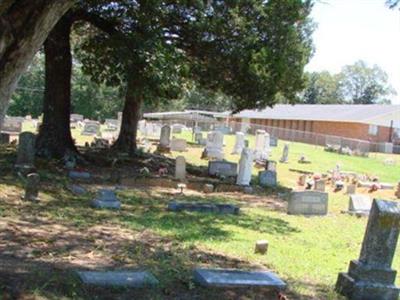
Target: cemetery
x,y
197,150
174,218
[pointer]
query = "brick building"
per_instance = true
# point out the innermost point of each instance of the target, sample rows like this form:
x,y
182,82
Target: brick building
x,y
374,123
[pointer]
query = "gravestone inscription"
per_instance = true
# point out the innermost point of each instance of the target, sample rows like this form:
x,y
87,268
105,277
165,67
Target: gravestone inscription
x,y
308,203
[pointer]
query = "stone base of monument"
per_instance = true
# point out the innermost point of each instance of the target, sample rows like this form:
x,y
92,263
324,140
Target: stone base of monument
x,y
163,149
133,279
365,283
204,208
230,278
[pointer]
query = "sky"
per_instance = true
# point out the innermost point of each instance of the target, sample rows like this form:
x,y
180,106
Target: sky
x,y
350,30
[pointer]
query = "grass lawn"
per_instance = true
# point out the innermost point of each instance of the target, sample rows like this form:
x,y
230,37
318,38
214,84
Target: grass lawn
x,y
45,242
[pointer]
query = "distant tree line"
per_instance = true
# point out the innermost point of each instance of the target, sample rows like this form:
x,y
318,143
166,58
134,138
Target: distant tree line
x,y
355,84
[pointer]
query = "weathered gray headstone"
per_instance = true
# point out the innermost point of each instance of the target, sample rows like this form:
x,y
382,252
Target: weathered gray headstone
x,y
178,145
261,247
351,189
198,136
308,203
26,149
267,178
77,189
222,168
360,204
165,136
106,199
180,168
319,185
133,279
285,154
12,125
237,278
371,276
91,128
32,187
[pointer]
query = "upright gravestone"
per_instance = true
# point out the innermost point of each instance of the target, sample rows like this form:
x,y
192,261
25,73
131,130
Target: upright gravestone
x,y
26,150
308,203
285,154
32,187
319,185
180,168
222,168
198,136
179,145
262,145
267,178
91,128
245,167
215,144
239,143
165,138
371,276
351,189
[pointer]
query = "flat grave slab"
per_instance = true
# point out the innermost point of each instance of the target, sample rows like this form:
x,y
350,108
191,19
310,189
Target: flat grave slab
x,y
237,278
204,208
79,175
135,279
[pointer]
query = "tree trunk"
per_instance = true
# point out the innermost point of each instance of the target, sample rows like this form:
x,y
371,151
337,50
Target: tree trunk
x,y
54,139
130,117
24,26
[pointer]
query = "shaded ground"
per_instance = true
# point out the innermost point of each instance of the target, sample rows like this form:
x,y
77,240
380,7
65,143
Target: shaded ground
x,y
42,244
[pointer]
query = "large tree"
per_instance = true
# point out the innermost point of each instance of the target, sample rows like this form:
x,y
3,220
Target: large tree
x,y
322,88
250,50
24,25
54,139
362,84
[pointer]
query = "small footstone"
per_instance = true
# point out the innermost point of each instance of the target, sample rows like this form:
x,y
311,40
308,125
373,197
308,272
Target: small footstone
x,y
135,279
237,278
77,189
261,247
208,188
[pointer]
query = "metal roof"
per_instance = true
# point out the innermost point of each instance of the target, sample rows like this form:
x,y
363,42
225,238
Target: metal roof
x,y
370,114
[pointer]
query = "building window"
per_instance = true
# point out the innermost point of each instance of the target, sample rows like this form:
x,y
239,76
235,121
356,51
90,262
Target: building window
x,y
373,130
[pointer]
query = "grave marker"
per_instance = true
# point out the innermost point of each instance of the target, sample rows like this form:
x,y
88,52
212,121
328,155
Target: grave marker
x,y
106,199
308,203
371,276
267,178
245,167
26,149
285,154
204,208
319,185
32,187
179,145
133,279
229,278
222,168
180,168
360,204
214,145
239,143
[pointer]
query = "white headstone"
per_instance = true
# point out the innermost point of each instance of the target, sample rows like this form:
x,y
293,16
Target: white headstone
x,y
239,143
245,167
262,147
215,144
180,168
